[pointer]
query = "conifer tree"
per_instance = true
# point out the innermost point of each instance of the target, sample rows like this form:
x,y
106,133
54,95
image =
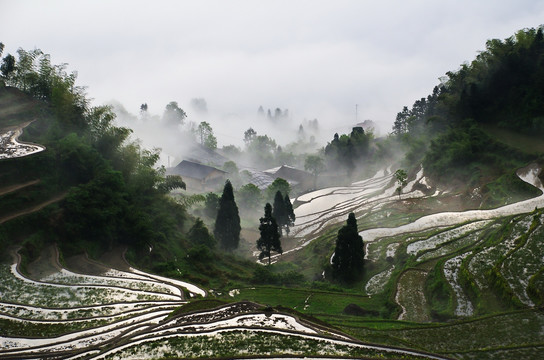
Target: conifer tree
x,y
347,262
227,224
290,212
270,235
279,211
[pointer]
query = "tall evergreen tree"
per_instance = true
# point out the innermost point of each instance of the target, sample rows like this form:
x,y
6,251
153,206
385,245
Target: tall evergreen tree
x,y
290,212
279,211
270,235
227,224
347,262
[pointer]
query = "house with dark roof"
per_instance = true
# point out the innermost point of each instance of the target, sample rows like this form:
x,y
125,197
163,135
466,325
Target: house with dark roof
x,y
201,154
300,179
198,176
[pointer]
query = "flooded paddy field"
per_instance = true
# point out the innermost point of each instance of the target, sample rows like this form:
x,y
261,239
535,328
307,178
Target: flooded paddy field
x,y
442,276
136,315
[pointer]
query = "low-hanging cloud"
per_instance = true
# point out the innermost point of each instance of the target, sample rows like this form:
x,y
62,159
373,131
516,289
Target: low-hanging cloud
x,y
316,58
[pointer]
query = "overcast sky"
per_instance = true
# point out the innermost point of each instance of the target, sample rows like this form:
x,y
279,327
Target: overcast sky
x,y
316,58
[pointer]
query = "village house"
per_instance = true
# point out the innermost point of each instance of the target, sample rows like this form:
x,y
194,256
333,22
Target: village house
x,y
197,176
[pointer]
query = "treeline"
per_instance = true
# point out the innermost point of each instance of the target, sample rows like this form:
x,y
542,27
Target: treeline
x,y
113,191
501,88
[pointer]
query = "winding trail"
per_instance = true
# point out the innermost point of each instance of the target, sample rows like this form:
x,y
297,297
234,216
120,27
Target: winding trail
x,y
34,208
9,189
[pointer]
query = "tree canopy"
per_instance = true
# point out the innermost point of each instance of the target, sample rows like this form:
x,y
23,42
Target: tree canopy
x,y
206,136
348,259
227,224
115,191
346,151
315,165
501,89
270,235
278,184
173,114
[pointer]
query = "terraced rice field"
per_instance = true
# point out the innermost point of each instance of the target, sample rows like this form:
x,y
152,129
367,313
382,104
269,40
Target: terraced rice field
x,y
498,251
10,147
135,315
487,263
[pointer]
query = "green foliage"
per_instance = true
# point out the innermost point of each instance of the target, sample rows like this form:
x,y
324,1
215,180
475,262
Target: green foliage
x,y
199,234
535,289
249,136
227,223
249,197
189,200
173,115
400,176
230,167
279,212
199,253
290,212
78,162
348,259
465,151
114,192
261,148
501,88
211,205
231,151
169,183
270,234
8,66
106,137
205,135
508,188
314,164
95,211
439,293
283,212
345,152
264,275
280,185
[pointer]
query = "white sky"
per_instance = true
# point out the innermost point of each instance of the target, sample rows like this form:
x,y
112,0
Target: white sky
x,y
316,58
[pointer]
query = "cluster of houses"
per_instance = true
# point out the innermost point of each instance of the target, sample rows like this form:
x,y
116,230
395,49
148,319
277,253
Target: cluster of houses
x,y
201,177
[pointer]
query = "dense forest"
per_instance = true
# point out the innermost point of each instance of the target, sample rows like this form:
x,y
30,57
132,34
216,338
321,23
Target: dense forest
x,y
459,132
110,190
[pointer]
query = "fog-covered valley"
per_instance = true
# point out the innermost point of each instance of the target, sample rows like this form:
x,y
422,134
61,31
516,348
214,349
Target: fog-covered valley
x,y
271,180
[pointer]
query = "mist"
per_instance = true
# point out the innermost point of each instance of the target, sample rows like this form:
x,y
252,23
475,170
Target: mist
x,y
317,59
287,130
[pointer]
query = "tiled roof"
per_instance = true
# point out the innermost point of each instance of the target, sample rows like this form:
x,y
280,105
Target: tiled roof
x,y
193,170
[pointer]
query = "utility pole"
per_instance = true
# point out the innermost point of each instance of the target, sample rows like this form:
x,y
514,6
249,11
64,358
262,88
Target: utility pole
x,y
356,105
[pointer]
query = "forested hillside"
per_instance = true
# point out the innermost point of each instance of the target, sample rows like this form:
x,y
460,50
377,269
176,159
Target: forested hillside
x,y
452,131
92,189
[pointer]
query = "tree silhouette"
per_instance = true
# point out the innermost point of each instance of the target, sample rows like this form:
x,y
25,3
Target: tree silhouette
x,y
173,114
290,212
227,224
270,236
348,259
401,177
279,211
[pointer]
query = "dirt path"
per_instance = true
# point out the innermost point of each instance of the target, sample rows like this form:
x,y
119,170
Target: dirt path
x,y
33,209
12,188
